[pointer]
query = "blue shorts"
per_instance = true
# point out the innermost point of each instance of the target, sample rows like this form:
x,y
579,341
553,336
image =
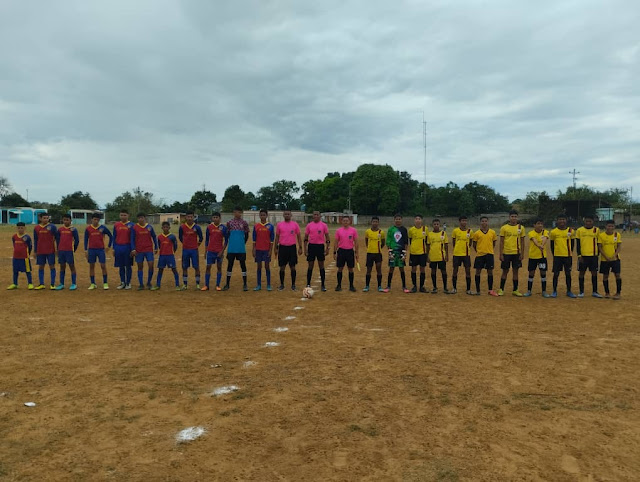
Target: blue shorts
x,y
97,254
166,261
66,257
190,258
263,256
21,265
213,257
42,259
140,257
122,255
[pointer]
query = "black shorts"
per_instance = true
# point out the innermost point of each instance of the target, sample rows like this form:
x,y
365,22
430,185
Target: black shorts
x,y
562,263
315,251
511,261
486,261
242,257
539,263
345,256
606,266
373,258
418,260
441,265
462,261
587,263
287,255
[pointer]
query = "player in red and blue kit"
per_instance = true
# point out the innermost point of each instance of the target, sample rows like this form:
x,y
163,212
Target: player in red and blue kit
x,y
167,244
122,249
44,237
21,252
144,244
68,241
190,235
263,236
215,244
95,250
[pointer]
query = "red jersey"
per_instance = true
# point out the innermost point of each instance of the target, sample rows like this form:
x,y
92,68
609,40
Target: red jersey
x,y
67,238
215,237
263,235
94,237
44,238
122,232
21,246
190,236
167,244
143,238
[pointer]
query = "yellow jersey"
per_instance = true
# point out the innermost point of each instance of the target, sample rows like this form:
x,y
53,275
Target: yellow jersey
x,y
588,241
534,251
437,242
461,241
484,241
513,238
609,243
562,241
374,240
417,240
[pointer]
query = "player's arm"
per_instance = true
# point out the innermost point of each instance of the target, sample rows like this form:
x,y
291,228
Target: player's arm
x,y
253,237
225,236
578,250
601,251
206,242
133,242
29,246
86,243
335,246
617,251
521,252
155,240
572,244
299,238
180,235
355,245
276,243
174,241
501,247
306,241
76,240
327,242
446,249
109,235
199,231
35,239
427,247
246,232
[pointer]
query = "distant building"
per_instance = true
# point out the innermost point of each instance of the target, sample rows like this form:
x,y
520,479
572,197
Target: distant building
x,y
83,216
26,215
336,218
171,218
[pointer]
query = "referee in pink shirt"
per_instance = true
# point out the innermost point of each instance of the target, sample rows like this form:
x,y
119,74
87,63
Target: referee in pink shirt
x,y
287,234
345,251
316,246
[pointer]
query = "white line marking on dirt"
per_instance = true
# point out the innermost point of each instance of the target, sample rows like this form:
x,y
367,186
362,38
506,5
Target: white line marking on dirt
x,y
289,318
224,390
272,343
189,434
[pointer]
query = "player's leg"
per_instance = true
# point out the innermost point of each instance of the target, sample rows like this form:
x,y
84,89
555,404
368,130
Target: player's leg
x,y
582,269
322,273
63,272
567,276
379,272
52,270
403,277
351,262
340,262
516,278
367,277
140,263
176,277
605,283
149,269
311,262
243,268
258,276
414,273
195,261
423,274
16,272
103,267
92,275
467,273
218,273
186,262
434,277
454,275
505,273
41,259
532,274
231,258
477,277
159,277
392,267
207,271
557,267
594,279
443,273
616,273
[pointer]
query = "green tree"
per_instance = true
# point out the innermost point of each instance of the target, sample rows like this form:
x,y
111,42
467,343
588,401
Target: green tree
x,y
485,199
233,196
375,189
175,207
13,199
5,187
280,195
202,202
135,202
410,195
78,200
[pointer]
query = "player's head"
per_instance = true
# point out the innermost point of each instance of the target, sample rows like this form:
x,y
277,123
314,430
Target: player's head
x,y
189,217
417,220
397,219
561,221
44,218
538,225
95,219
287,214
436,224
610,226
264,214
237,212
316,216
513,217
142,218
588,221
463,220
66,220
124,216
484,223
215,217
346,221
166,227
375,222
21,228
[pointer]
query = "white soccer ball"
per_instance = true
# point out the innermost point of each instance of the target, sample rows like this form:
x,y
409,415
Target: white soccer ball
x,y
307,292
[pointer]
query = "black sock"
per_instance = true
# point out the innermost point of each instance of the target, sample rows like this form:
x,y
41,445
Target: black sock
x,y
351,279
434,279
502,283
389,278
322,276
379,278
468,280
367,280
555,282
282,277
228,279
339,278
529,284
515,285
619,284
568,279
543,278
444,279
606,286
490,282
403,277
478,283
413,278
244,279
422,276
309,274
293,277
594,283
454,282
581,284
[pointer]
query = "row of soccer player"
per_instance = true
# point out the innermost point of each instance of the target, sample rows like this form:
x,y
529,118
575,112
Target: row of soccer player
x,y
138,242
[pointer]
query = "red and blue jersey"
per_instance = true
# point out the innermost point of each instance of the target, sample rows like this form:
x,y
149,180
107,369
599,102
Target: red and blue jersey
x,y
143,238
168,244
21,246
44,238
263,236
67,238
216,238
94,237
190,236
122,233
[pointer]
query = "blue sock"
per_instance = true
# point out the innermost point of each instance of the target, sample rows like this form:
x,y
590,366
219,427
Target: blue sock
x,y
218,279
149,276
129,274
268,272
197,280
259,276
73,278
176,276
185,280
207,279
29,279
62,276
41,276
140,277
104,278
93,280
159,278
53,277
15,277
123,274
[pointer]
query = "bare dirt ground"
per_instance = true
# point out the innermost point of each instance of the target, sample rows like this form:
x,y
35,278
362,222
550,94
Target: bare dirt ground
x,y
363,386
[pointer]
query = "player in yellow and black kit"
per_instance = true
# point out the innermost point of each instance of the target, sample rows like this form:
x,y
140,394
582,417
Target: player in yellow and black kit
x,y
538,238
511,251
609,244
587,249
418,252
562,241
374,241
438,249
461,239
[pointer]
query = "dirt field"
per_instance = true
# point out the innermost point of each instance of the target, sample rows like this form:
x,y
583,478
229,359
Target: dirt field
x,y
363,386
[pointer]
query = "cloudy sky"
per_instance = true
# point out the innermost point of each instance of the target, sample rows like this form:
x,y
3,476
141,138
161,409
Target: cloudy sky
x,y
168,95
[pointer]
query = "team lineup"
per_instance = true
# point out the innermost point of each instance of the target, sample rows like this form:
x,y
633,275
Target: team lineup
x,y
417,247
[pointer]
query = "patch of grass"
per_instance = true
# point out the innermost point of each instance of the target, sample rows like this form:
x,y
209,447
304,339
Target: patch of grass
x,y
242,395
3,470
436,470
371,431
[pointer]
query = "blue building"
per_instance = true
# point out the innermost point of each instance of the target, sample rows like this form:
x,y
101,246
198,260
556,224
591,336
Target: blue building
x,y
26,215
83,216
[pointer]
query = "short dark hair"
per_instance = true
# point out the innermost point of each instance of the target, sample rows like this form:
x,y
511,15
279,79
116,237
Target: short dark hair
x,y
125,211
484,217
588,216
189,212
375,217
165,223
215,213
141,215
436,219
66,216
397,215
513,211
264,211
43,214
418,216
611,221
462,217
96,216
237,208
561,216
538,220
20,224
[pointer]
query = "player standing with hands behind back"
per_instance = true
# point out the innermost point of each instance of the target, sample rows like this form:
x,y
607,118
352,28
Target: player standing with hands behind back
x,y
287,234
346,248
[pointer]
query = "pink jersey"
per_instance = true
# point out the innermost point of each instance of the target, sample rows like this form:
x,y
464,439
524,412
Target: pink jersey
x,y
287,232
346,237
316,232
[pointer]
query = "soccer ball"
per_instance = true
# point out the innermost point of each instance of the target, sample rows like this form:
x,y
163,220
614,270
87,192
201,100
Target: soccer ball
x,y
308,292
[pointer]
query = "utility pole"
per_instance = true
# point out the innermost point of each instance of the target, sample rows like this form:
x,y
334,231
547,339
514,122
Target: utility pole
x,y
575,177
424,143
